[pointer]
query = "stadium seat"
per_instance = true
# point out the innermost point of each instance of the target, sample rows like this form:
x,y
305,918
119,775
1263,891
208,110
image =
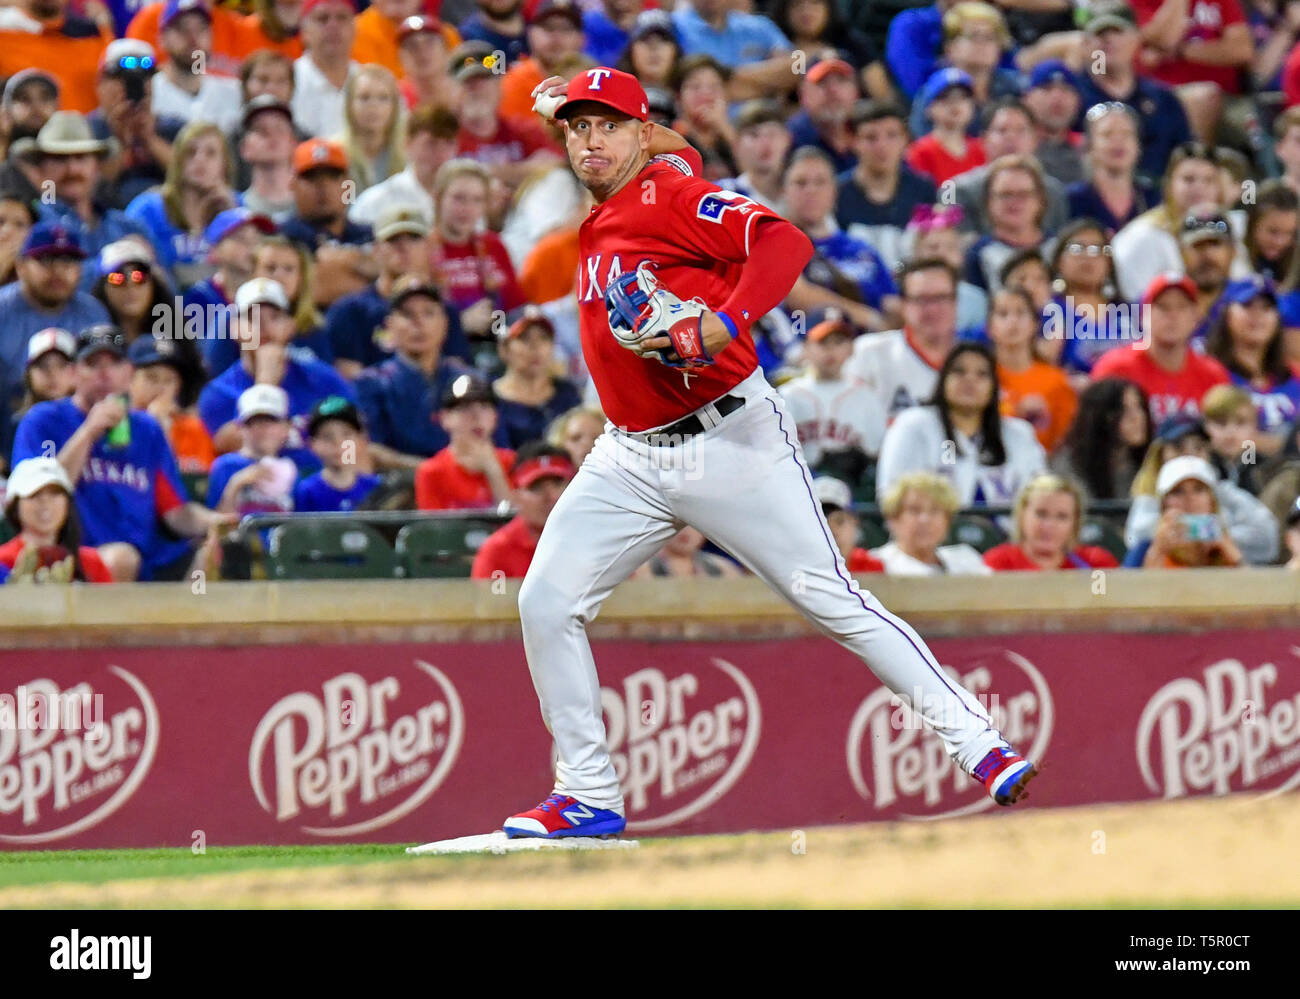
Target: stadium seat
x,y
441,549
1102,533
978,532
329,549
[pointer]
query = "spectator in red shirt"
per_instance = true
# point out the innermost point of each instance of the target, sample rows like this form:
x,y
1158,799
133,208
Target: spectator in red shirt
x,y
947,100
38,503
1045,531
510,149
836,501
1162,363
1198,47
469,473
539,476
469,264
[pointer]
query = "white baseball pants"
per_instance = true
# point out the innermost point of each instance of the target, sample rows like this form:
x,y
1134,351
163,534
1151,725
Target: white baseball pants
x,y
745,485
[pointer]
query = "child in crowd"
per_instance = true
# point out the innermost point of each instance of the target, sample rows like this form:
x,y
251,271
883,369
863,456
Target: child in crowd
x,y
1232,421
948,101
163,384
256,478
469,473
335,434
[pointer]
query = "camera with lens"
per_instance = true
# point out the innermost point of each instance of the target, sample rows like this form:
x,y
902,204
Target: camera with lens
x,y
134,72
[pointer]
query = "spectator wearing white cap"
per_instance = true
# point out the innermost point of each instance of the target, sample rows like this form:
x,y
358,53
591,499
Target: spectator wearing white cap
x,y
258,478
264,326
30,96
187,88
837,507
47,547
48,375
1190,532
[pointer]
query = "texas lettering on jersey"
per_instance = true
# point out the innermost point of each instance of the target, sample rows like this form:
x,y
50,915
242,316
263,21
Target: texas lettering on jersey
x,y
696,237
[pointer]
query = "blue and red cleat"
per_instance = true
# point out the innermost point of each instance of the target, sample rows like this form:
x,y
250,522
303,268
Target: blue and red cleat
x,y
559,815
1004,774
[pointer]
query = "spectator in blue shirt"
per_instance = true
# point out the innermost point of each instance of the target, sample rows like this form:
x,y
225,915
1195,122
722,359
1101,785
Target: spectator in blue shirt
x,y
45,294
399,397
1111,32
1110,192
499,23
127,483
827,94
875,199
354,325
197,187
264,327
338,439
259,477
749,44
854,277
652,52
529,396
608,28
913,43
70,164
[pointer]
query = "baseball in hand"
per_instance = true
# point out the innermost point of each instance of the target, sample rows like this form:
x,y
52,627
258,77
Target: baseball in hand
x,y
547,104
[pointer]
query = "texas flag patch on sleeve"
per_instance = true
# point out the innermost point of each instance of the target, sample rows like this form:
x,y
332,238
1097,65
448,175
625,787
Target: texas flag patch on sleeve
x,y
713,206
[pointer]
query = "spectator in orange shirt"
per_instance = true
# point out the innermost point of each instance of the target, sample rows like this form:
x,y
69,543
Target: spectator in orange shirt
x,y
379,26
425,77
469,473
554,33
273,26
67,47
229,45
1045,531
1037,392
539,476
165,386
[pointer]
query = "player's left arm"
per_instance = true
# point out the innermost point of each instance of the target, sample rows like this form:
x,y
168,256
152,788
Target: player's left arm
x,y
778,253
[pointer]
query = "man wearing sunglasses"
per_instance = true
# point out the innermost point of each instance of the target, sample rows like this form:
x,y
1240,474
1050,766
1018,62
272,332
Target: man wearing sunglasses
x,y
46,294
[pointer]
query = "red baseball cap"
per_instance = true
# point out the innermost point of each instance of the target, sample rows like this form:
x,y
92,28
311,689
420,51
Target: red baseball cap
x,y
610,87
542,467
1163,282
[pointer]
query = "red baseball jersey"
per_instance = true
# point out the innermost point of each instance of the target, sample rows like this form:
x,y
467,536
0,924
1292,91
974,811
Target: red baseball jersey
x,y
1171,393
698,236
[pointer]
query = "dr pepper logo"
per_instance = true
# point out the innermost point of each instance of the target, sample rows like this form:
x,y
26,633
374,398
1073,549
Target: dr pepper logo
x,y
71,756
1229,728
680,739
901,767
358,753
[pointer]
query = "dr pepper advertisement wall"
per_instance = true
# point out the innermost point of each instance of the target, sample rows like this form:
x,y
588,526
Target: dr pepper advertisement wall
x,y
131,741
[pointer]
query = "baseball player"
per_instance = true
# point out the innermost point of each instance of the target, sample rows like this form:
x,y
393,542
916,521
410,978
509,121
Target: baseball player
x,y
672,272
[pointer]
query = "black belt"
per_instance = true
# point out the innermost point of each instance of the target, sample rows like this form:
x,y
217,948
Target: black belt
x,y
676,433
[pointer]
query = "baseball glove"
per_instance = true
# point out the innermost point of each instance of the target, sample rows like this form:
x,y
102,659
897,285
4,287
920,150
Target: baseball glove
x,y
640,308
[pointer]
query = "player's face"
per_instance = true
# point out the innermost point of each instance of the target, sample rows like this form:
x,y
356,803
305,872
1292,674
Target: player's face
x,y
1173,318
921,524
153,382
266,435
45,511
808,192
1047,523
1253,325
1275,232
1134,421
536,502
969,385
50,377
606,149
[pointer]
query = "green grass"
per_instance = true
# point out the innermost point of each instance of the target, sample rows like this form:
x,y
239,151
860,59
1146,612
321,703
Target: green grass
x,y
97,866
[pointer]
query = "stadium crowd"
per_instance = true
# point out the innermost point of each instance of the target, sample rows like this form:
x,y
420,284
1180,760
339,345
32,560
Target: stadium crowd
x,y
300,256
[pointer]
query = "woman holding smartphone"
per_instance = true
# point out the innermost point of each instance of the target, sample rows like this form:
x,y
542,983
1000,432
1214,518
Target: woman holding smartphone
x,y
1190,532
